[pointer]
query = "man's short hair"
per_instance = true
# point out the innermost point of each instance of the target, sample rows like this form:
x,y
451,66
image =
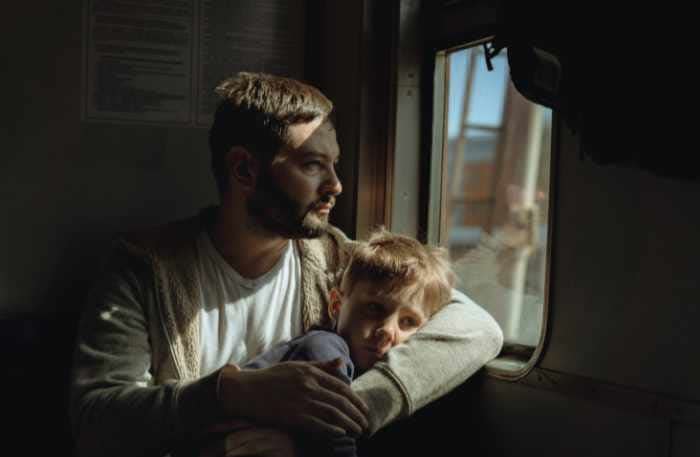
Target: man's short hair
x,y
255,112
401,265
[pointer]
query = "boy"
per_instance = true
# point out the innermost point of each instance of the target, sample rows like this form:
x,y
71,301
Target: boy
x,y
391,286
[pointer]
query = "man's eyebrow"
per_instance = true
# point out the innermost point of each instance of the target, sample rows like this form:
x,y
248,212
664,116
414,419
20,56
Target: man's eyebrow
x,y
323,155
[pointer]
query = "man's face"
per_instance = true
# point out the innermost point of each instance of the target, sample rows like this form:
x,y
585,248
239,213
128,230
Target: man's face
x,y
373,321
294,197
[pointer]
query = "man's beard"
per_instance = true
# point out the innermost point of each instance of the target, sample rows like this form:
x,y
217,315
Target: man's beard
x,y
276,212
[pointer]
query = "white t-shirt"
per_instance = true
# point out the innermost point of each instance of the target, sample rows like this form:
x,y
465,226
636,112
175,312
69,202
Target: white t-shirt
x,y
243,317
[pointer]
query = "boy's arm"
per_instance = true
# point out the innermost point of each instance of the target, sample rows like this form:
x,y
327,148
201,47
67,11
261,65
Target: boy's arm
x,y
453,345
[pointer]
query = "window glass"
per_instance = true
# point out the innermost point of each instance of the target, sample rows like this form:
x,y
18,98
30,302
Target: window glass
x,y
495,191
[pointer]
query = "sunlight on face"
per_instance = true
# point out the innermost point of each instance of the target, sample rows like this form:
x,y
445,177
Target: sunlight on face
x,y
298,134
295,196
372,321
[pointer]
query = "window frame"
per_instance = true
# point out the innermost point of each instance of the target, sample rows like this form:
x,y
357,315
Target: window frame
x,y
515,361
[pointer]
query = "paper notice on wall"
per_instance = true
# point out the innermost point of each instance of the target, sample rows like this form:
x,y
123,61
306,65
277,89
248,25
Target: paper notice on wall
x,y
158,61
247,35
139,60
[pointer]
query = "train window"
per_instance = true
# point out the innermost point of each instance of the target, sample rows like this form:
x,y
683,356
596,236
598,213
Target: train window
x,y
493,147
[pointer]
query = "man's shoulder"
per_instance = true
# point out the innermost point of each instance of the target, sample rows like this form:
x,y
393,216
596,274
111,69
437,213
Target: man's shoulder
x,y
165,240
339,237
328,251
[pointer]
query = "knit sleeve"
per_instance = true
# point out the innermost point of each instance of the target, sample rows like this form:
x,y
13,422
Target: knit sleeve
x,y
452,346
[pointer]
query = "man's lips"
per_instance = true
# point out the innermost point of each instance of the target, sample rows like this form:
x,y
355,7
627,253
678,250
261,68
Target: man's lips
x,y
324,207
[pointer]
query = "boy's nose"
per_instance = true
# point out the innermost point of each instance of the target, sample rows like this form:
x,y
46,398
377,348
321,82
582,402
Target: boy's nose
x,y
385,338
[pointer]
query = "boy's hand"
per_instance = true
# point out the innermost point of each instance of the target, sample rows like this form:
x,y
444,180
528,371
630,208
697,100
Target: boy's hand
x,y
299,395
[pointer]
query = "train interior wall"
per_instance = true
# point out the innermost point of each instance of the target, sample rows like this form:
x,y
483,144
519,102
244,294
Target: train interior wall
x,y
623,291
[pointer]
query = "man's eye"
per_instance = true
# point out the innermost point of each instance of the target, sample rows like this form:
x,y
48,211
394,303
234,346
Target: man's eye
x,y
314,165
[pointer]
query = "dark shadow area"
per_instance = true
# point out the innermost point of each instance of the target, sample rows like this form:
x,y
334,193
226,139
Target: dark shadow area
x,y
440,428
38,352
35,388
622,85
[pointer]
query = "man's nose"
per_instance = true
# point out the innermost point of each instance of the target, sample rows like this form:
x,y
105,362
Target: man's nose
x,y
332,184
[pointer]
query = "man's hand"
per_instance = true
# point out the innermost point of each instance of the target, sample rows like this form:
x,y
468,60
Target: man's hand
x,y
253,441
298,395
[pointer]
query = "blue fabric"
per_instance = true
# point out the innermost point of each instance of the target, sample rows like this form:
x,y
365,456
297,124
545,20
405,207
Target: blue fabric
x,y
315,346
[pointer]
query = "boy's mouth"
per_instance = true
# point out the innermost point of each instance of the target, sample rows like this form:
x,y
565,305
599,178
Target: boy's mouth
x,y
375,352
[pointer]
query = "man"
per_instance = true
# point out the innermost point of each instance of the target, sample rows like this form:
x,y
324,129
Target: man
x,y
182,305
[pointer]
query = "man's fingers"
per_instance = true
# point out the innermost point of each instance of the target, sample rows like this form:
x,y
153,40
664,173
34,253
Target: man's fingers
x,y
313,424
328,380
300,394
342,405
340,396
334,416
339,387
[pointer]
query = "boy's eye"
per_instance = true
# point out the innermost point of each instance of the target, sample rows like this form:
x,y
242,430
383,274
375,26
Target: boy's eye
x,y
374,308
408,322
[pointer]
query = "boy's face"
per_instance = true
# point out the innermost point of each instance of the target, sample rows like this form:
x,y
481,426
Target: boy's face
x,y
372,321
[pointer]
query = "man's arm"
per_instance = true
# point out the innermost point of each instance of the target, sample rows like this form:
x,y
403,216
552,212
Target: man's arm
x,y
116,409
453,345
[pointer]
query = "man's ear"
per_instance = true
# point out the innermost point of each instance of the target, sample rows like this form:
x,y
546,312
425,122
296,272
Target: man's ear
x,y
242,167
334,304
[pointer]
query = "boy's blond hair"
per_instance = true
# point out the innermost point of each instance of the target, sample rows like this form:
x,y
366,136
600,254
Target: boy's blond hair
x,y
401,265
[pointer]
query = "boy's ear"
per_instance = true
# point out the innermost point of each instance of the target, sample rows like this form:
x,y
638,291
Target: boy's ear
x,y
242,167
334,304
